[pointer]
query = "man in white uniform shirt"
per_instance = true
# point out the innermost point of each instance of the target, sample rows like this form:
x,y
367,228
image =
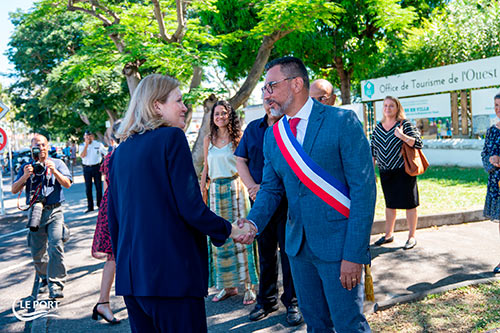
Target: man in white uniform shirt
x,y
91,153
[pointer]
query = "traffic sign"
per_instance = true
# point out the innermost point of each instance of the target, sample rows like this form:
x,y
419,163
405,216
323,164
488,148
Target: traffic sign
x,y
3,139
3,111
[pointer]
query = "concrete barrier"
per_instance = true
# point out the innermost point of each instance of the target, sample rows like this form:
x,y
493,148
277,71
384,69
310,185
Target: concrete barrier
x,y
427,221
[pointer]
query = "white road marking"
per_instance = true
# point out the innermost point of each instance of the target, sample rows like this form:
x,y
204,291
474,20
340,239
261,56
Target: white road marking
x,y
21,264
13,233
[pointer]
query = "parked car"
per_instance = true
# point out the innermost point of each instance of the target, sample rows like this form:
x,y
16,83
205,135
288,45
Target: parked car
x,y
19,157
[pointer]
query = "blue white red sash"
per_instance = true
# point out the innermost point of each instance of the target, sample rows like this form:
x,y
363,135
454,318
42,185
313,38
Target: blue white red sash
x,y
320,182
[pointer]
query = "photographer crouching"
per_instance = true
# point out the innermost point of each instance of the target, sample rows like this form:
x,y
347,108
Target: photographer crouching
x,y
43,178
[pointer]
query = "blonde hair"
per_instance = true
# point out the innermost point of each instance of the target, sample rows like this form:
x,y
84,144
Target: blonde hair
x,y
141,115
400,115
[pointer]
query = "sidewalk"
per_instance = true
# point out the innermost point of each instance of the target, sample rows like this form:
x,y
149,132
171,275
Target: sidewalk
x,y
444,256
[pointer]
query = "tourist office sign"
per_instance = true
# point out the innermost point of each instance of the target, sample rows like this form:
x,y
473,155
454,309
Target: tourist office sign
x,y
466,75
430,106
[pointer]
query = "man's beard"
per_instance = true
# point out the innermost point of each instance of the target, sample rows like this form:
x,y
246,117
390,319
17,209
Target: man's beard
x,y
278,112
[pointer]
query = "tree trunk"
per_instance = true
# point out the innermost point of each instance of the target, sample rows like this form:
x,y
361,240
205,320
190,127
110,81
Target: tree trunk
x,y
131,72
197,152
112,115
257,69
195,83
345,80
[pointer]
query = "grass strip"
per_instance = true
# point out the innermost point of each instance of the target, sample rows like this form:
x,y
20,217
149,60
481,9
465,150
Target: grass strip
x,y
444,190
468,309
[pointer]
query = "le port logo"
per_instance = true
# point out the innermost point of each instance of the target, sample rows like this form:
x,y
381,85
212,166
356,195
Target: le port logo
x,y
29,309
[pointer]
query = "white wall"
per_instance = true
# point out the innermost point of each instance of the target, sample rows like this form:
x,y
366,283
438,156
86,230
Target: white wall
x,y
459,152
462,158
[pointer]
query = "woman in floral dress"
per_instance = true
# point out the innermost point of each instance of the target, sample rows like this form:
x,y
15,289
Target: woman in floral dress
x,y
491,162
101,246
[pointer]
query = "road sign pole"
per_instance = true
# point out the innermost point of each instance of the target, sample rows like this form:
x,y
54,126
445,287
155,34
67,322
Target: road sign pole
x,y
2,211
11,164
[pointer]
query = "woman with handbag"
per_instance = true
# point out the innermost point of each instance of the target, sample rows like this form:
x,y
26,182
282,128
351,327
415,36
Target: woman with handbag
x,y
400,189
232,264
491,162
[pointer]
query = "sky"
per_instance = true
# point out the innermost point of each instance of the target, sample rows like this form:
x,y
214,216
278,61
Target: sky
x,y
6,29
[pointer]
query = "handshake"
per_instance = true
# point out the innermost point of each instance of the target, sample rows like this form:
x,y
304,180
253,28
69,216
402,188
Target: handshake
x,y
243,231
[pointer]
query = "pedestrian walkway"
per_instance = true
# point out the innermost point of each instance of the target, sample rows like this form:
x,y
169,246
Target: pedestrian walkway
x,y
444,256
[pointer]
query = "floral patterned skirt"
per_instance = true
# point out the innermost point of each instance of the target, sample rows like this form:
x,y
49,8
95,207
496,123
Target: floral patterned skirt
x,y
101,245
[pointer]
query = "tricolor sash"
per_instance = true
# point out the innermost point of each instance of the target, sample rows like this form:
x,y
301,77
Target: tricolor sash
x,y
320,182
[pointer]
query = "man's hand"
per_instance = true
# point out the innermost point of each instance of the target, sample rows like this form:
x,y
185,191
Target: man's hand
x,y
27,171
50,165
237,232
249,236
350,274
252,191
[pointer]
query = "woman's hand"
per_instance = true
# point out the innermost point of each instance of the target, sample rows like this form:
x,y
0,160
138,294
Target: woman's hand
x,y
495,160
398,132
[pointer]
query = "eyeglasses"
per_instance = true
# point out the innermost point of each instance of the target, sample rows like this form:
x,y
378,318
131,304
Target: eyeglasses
x,y
269,86
322,99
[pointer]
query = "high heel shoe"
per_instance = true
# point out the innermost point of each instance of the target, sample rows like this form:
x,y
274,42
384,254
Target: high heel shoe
x,y
96,314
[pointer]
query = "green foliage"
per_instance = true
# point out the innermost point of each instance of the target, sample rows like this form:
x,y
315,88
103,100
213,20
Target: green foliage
x,y
42,40
463,31
354,42
241,25
466,30
70,64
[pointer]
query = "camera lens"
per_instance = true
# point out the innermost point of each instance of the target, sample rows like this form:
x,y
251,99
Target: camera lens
x,y
38,169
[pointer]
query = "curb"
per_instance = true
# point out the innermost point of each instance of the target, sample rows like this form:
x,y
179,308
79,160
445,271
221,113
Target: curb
x,y
427,221
384,305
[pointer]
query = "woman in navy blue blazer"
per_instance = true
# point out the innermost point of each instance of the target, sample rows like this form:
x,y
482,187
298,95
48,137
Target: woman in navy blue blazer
x,y
157,219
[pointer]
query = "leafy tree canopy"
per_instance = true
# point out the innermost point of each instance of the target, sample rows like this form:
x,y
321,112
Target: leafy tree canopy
x,y
462,31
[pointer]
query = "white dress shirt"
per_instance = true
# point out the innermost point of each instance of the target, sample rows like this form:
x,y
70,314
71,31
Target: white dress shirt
x,y
95,152
303,114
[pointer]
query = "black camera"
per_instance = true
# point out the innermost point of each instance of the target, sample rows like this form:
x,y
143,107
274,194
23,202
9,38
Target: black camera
x,y
38,167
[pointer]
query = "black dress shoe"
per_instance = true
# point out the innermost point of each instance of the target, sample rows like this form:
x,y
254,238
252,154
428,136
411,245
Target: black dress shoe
x,y
293,315
384,240
88,211
261,311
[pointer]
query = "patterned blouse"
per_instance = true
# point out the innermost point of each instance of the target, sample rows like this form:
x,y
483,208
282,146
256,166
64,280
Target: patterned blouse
x,y
386,147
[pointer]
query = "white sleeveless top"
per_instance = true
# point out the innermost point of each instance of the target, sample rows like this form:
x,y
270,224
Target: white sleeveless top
x,y
221,161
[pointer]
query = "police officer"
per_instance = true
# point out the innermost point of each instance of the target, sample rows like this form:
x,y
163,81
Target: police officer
x,y
91,153
44,184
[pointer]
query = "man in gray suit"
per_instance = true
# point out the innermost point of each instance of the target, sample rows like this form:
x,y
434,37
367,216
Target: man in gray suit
x,y
331,194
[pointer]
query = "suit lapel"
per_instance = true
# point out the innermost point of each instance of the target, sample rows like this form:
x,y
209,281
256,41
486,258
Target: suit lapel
x,y
313,125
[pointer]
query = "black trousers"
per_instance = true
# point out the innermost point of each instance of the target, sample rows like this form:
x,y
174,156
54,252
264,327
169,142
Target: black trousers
x,y
93,173
166,314
268,241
